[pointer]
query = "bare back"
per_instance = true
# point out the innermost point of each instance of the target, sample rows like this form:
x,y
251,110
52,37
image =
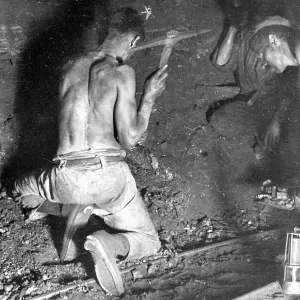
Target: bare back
x,y
87,121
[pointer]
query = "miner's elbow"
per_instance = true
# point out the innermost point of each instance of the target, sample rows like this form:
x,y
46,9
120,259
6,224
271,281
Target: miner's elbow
x,y
131,137
129,145
128,142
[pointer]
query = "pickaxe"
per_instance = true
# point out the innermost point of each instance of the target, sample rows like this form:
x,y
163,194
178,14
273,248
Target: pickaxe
x,y
172,37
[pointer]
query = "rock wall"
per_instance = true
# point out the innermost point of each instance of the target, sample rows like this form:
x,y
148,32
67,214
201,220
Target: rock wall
x,y
35,38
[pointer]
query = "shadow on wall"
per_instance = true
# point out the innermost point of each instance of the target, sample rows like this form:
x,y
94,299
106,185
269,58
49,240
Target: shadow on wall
x,y
72,28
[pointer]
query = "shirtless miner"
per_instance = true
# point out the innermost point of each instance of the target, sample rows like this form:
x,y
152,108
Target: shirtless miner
x,y
258,49
98,119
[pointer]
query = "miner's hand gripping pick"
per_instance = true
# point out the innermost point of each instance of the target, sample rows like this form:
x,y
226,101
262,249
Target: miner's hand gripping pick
x,y
98,119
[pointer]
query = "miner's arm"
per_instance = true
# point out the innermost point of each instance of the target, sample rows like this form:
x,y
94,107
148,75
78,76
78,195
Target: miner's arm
x,y
272,136
223,54
131,123
224,57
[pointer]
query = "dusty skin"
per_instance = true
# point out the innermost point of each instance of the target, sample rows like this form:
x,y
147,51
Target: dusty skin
x,y
86,120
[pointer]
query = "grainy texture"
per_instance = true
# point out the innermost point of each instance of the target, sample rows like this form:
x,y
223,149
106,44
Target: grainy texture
x,y
197,185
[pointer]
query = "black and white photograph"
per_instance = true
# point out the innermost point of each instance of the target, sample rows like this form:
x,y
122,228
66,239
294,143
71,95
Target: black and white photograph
x,y
149,149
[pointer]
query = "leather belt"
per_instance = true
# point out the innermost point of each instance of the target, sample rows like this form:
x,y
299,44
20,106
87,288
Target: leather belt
x,y
91,161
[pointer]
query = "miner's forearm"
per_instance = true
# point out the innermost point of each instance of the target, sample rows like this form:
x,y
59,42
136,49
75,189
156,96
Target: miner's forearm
x,y
144,112
142,122
225,50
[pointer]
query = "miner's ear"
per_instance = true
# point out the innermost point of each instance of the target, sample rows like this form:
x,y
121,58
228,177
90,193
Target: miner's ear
x,y
134,41
274,40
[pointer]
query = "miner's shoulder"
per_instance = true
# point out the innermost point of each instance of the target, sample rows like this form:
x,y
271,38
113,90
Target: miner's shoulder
x,y
125,71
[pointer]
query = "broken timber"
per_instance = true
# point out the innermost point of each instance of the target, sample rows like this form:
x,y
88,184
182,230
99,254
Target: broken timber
x,y
240,241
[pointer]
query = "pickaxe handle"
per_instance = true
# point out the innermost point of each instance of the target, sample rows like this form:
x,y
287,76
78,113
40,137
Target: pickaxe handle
x,y
165,55
168,48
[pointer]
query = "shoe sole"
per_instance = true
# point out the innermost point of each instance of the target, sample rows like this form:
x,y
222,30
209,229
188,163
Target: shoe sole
x,y
107,271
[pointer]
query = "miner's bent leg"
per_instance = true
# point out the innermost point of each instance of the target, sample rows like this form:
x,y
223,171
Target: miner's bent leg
x,y
28,187
135,223
33,192
36,191
137,238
